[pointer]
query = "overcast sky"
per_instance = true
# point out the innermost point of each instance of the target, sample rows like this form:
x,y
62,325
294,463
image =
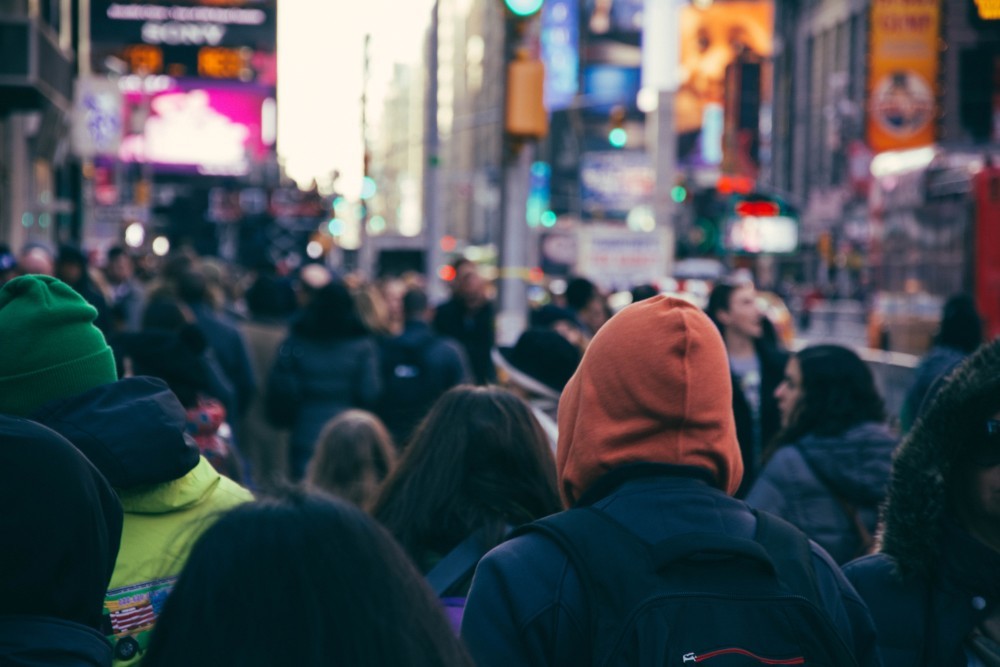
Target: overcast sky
x,y
320,66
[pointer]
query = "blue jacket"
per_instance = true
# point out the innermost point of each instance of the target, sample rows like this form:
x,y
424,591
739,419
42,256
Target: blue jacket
x,y
527,607
801,484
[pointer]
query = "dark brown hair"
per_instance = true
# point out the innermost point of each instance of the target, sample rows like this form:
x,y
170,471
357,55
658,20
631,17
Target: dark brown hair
x,y
354,453
479,460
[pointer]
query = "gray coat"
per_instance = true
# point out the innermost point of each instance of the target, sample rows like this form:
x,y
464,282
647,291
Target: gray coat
x,y
807,484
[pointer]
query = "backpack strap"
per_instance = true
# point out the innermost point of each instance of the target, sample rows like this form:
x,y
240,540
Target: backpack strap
x,y
457,564
791,554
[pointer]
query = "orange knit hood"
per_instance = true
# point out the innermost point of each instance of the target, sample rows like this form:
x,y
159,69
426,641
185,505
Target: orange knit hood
x,y
653,387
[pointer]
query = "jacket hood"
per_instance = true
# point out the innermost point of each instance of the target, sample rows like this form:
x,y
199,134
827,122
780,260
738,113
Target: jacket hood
x,y
131,430
856,464
940,441
653,387
61,527
32,641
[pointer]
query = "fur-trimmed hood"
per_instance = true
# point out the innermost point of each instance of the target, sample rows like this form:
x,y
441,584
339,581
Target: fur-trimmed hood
x,y
917,503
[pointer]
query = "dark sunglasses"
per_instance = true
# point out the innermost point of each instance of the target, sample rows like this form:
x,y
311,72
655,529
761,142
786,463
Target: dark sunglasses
x,y
986,452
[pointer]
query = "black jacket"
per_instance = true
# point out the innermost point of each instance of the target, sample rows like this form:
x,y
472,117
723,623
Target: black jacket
x,y
474,330
35,641
932,583
527,607
772,370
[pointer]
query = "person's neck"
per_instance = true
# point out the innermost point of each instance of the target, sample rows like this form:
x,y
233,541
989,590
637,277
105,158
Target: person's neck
x,y
739,345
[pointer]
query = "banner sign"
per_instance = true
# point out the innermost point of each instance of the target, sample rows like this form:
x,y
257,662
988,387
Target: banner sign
x,y
618,259
903,73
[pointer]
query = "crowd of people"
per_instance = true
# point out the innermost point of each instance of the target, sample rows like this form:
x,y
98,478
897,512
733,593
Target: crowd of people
x,y
212,466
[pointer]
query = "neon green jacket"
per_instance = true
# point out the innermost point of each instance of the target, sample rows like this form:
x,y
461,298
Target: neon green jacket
x,y
161,524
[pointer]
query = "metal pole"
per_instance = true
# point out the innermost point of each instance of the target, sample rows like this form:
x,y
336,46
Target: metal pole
x,y
512,318
365,251
433,224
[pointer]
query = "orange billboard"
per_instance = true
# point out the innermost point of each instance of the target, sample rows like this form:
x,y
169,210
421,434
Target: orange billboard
x,y
903,73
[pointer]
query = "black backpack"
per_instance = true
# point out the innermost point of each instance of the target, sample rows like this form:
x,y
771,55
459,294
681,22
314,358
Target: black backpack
x,y
408,390
700,598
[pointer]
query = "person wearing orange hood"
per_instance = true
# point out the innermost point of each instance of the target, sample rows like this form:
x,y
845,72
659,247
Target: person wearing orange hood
x,y
647,437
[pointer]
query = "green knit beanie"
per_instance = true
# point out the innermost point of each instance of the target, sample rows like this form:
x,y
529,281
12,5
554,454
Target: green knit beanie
x,y
49,346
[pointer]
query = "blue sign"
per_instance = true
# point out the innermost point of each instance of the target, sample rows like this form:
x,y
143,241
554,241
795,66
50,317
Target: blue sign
x,y
607,86
560,38
612,183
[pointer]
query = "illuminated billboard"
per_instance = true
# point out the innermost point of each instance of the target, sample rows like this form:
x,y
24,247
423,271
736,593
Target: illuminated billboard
x,y
713,38
192,125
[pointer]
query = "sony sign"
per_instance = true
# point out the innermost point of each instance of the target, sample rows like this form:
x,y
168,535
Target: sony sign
x,y
174,33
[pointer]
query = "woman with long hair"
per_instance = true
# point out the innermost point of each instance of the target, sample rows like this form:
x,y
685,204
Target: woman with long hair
x,y
827,470
301,580
479,464
353,455
327,364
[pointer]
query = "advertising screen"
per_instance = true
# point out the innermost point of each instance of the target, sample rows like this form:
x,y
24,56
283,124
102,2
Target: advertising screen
x,y
612,183
713,38
762,234
205,128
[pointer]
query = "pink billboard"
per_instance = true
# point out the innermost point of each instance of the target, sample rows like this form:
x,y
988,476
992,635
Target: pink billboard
x,y
188,125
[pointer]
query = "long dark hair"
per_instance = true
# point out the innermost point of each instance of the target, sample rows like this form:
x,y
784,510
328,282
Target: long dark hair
x,y
479,460
301,580
331,313
838,392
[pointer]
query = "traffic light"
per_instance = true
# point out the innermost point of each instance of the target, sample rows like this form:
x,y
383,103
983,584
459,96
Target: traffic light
x,y
525,114
617,135
523,8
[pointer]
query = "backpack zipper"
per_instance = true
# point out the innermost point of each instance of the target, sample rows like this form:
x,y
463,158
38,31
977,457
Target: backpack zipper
x,y
691,657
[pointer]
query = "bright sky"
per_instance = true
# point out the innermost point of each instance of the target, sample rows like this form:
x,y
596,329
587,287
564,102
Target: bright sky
x,y
320,68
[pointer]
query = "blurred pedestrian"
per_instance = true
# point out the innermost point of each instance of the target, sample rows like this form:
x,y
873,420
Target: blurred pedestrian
x,y
829,468
756,369
417,367
61,528
327,364
354,454
934,586
271,304
960,333
537,369
8,264
469,318
301,580
588,305
127,294
56,368
476,467
73,268
36,259
224,338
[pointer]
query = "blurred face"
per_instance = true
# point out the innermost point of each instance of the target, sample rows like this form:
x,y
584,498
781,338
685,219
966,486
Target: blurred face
x,y
789,393
594,315
469,285
69,273
743,316
120,269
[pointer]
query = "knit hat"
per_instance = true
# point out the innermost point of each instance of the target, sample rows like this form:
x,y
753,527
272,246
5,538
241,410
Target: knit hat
x,y
51,348
653,387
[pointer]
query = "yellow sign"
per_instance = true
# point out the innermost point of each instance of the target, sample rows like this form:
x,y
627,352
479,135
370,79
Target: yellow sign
x,y
903,72
989,10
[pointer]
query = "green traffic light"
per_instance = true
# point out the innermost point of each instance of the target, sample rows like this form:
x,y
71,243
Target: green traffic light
x,y
523,7
678,194
618,137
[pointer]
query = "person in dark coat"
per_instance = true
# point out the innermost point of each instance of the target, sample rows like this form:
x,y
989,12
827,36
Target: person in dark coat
x,y
61,528
72,268
934,586
828,472
757,369
327,364
468,317
961,332
440,361
224,338
647,436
